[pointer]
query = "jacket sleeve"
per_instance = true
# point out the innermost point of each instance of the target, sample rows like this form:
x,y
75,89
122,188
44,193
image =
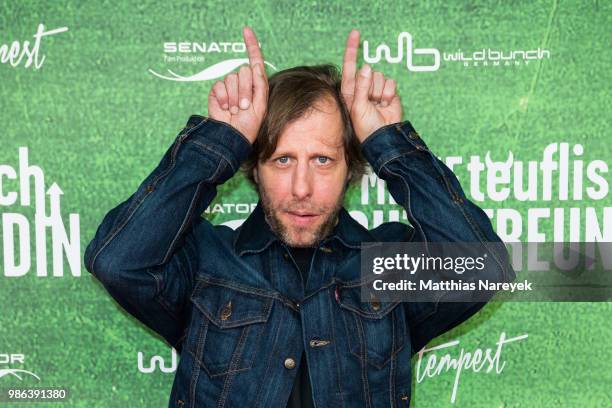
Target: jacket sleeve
x,y
145,251
439,211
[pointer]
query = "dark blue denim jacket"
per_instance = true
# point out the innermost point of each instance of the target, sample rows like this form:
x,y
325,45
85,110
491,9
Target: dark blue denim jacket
x,y
233,303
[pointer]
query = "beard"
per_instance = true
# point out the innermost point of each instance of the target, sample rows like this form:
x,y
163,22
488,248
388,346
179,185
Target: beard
x,y
290,235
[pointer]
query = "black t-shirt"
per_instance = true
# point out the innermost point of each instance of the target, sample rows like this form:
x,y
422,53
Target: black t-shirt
x,y
301,394
302,257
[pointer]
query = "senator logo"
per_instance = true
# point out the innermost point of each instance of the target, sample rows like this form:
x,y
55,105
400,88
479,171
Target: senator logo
x,y
196,52
481,57
18,373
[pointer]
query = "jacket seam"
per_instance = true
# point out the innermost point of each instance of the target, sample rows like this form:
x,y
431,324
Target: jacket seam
x,y
381,130
158,295
209,148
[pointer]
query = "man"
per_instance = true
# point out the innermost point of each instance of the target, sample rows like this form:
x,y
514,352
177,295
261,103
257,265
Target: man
x,y
274,306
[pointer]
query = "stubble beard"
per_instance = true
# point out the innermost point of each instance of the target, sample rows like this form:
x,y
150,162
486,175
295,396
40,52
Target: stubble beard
x,y
283,232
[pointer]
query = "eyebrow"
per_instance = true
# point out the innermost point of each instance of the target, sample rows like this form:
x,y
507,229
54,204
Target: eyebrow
x,y
288,154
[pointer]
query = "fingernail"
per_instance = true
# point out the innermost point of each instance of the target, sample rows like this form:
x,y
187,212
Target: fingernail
x,y
258,69
234,110
244,103
225,106
367,70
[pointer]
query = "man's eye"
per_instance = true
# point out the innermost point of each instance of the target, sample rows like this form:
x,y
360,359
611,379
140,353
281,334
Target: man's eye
x,y
323,159
283,160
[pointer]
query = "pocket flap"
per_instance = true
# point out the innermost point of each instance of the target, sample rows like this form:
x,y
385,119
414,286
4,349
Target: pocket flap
x,y
350,298
228,307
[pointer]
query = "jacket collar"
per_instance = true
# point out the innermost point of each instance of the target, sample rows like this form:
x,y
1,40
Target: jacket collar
x,y
255,235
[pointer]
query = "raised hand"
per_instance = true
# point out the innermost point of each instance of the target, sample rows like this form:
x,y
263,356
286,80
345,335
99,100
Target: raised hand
x,y
241,99
370,98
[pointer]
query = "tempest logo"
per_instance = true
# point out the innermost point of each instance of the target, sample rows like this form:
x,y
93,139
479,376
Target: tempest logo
x,y
14,52
430,364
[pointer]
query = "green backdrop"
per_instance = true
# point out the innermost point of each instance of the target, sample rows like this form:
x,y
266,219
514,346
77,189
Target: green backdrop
x,y
93,118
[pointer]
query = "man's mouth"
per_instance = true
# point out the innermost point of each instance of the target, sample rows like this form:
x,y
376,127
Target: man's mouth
x,y
302,218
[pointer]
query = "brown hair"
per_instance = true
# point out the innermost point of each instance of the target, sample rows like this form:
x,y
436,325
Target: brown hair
x,y
292,93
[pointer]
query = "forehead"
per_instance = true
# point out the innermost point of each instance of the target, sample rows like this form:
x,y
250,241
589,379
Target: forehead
x,y
320,127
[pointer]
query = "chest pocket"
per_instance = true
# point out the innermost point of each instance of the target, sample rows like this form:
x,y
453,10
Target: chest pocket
x,y
226,327
376,331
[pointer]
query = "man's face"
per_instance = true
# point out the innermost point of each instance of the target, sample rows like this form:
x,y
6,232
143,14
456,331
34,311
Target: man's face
x,y
302,184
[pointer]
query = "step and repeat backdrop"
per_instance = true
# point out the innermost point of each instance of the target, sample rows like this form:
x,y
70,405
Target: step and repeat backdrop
x,y
514,96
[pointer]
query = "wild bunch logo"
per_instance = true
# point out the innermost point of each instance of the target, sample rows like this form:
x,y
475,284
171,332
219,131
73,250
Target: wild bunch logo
x,y
157,361
47,223
480,57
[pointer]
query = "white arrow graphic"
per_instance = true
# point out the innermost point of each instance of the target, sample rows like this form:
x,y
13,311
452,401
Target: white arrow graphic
x,y
54,192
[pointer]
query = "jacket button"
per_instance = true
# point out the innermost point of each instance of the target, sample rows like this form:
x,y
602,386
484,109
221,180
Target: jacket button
x,y
180,403
374,302
318,343
226,312
289,363
413,135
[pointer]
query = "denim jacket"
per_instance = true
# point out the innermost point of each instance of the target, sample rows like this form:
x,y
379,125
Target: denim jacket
x,y
232,302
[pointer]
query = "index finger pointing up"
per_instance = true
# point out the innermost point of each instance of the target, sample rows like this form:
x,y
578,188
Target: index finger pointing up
x,y
349,67
255,56
260,81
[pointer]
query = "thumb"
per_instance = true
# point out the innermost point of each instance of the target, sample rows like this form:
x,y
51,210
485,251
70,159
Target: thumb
x,y
362,86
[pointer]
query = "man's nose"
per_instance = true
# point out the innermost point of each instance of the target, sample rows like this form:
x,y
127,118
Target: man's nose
x,y
302,181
